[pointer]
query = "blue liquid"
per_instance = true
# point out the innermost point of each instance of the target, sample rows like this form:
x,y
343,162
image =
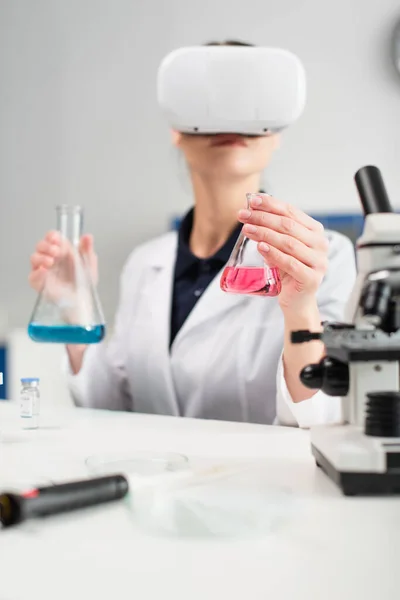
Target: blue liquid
x,y
66,334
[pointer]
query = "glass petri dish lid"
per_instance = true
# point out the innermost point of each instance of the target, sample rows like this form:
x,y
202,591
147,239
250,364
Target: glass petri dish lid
x,y
137,464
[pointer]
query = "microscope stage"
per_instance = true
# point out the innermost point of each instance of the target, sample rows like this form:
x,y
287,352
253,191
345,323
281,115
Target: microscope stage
x,y
357,463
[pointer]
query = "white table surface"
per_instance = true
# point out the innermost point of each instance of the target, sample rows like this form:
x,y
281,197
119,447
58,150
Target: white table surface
x,y
332,548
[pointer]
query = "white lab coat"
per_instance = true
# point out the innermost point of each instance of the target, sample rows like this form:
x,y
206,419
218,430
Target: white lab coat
x,y
225,362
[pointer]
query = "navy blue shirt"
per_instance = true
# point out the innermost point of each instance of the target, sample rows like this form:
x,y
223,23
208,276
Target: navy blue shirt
x,y
192,275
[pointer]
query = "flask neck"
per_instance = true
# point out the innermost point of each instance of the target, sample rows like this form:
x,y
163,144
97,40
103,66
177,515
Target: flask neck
x,y
70,223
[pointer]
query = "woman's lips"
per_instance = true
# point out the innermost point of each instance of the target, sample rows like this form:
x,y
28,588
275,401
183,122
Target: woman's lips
x,y
228,140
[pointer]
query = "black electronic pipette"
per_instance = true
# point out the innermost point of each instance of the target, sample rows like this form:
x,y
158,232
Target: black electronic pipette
x,y
60,498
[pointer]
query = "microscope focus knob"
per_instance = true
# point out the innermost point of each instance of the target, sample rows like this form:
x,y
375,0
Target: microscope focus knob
x,y
382,414
329,375
312,376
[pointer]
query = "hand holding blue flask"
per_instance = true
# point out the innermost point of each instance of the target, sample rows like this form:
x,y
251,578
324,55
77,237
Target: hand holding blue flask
x,y
68,309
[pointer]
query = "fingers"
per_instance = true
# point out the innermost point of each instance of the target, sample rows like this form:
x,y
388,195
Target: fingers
x,y
269,204
39,261
53,237
256,221
37,277
53,247
86,244
300,272
274,215
314,258
287,239
47,251
86,248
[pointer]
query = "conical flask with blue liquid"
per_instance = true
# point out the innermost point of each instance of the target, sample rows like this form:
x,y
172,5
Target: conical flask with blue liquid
x,y
68,309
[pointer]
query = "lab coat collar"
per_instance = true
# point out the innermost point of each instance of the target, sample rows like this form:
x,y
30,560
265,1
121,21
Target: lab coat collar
x,y
212,303
163,251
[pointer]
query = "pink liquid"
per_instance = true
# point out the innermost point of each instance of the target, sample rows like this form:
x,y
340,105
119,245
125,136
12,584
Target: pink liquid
x,y
255,281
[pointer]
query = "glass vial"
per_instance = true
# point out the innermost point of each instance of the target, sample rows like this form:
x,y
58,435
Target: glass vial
x,y
68,310
30,403
246,271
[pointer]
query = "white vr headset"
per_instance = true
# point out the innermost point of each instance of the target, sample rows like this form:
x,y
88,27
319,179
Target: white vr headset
x,y
231,89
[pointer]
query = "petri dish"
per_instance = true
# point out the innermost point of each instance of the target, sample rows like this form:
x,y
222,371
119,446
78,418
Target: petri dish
x,y
169,497
139,464
227,505
146,472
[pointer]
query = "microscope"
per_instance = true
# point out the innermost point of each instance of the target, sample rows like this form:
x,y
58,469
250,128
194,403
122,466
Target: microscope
x,y
361,364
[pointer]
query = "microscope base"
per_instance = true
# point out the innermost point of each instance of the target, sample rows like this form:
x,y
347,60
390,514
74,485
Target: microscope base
x,y
356,463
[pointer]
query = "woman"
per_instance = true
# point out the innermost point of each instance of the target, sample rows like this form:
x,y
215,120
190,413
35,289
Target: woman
x,y
181,346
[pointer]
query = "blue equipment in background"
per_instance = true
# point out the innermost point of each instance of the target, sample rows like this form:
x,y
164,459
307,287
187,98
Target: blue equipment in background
x,y
350,225
3,369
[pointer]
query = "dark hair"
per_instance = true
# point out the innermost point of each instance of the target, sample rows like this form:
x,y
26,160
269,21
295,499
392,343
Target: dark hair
x,y
230,43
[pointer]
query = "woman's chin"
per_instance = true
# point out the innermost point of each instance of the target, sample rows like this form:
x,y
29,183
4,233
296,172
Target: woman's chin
x,y
232,171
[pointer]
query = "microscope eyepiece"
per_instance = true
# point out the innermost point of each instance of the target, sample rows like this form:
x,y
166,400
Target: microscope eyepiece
x,y
372,191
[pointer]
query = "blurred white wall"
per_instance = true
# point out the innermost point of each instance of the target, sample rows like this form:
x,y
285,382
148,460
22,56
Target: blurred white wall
x,y
79,121
27,359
